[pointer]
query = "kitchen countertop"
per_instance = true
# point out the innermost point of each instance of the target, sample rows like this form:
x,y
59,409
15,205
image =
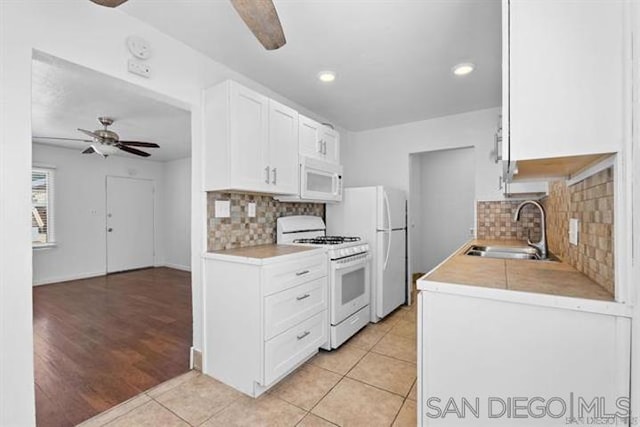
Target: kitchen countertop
x,y
262,254
541,277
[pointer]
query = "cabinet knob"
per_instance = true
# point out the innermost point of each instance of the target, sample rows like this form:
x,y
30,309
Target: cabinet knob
x,y
266,171
275,176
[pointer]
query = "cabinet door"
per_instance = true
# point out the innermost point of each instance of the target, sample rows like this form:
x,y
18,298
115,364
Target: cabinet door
x,y
283,149
249,139
566,73
331,144
310,139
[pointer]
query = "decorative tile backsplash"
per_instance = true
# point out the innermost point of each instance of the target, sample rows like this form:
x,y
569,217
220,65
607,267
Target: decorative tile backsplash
x,y
591,202
495,221
239,230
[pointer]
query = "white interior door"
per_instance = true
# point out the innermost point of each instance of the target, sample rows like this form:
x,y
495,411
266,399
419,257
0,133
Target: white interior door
x,y
130,224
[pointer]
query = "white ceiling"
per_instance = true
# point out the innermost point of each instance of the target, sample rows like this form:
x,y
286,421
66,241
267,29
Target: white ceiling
x,y
66,96
393,58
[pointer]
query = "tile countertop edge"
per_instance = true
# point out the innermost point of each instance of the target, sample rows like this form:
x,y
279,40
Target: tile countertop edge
x,y
230,257
612,308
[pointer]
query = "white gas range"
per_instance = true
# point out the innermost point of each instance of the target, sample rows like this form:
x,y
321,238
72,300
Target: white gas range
x,y
349,273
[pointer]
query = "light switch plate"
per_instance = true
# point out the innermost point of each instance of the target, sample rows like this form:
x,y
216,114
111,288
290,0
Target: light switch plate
x,y
223,209
574,226
251,209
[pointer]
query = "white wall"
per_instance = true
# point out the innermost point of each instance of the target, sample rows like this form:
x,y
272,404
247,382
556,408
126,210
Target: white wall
x,y
176,211
94,37
381,156
447,205
80,203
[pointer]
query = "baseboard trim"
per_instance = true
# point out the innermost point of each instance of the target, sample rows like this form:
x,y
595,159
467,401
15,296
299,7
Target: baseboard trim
x,y
178,266
68,278
196,359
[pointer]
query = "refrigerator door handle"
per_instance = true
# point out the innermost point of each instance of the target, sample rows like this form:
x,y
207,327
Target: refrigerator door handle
x,y
386,202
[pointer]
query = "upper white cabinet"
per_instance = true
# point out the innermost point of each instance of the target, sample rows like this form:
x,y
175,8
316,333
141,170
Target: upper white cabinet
x,y
565,70
318,141
250,141
283,148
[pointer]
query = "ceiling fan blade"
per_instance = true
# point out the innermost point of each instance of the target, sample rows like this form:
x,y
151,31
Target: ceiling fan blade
x,y
133,151
139,144
89,150
262,19
91,134
109,3
62,139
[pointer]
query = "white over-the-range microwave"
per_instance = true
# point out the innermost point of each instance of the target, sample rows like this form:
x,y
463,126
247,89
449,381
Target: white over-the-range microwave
x,y
320,182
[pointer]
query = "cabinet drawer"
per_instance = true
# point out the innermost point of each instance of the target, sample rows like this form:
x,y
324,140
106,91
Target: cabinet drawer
x,y
287,308
290,348
281,276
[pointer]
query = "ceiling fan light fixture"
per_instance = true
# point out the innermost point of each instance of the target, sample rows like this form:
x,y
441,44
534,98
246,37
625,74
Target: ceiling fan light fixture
x,y
326,76
463,69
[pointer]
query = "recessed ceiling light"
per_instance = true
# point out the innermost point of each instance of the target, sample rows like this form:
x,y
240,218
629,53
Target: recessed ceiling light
x,y
326,76
463,69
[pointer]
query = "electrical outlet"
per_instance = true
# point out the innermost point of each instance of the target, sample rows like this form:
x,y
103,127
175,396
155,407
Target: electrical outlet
x,y
138,67
251,209
223,209
574,226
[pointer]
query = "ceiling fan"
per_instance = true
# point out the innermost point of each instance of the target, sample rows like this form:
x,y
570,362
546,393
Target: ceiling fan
x,y
259,15
106,142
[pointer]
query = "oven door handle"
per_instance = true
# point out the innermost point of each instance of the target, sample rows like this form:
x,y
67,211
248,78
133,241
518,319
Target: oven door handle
x,y
355,263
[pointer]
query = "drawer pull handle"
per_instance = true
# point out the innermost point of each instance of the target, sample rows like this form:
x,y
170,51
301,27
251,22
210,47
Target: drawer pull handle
x,y
302,335
301,297
302,273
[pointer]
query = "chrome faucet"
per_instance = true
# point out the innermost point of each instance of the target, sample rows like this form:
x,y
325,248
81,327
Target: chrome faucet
x,y
541,246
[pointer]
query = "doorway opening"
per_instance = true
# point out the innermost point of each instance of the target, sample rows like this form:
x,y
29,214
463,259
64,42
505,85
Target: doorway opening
x,y
111,238
441,206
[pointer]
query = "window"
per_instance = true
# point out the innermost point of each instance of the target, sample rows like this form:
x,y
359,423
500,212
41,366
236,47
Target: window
x,y
42,206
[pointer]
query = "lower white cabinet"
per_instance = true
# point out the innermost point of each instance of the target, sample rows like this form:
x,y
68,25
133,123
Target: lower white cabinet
x,y
263,318
489,362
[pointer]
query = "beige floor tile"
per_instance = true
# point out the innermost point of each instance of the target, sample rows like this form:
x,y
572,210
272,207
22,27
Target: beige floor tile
x,y
413,392
407,417
198,398
388,322
368,337
314,421
116,411
340,360
397,347
404,328
151,414
384,372
352,403
267,410
174,382
409,314
305,387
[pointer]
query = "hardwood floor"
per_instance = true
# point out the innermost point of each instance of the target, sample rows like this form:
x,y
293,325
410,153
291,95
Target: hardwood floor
x,y
101,341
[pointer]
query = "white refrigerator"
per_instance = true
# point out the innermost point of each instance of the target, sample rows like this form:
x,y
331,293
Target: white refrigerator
x,y
378,216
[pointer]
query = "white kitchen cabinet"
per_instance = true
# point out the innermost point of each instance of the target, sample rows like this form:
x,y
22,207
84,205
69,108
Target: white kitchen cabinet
x,y
263,317
250,141
283,149
331,143
488,347
565,77
318,141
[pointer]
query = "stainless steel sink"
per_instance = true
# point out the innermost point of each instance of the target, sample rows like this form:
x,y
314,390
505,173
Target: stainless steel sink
x,y
507,252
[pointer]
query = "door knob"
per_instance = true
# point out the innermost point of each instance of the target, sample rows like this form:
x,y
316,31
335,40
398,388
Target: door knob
x,y
109,229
